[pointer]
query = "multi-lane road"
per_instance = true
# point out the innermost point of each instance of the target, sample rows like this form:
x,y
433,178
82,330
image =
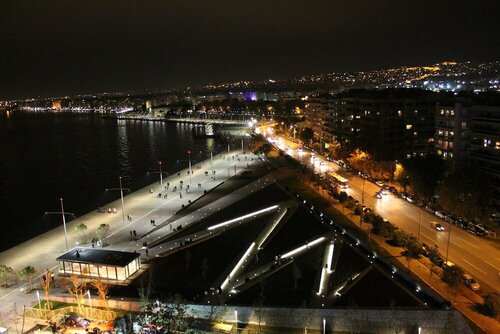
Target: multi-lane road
x,y
478,256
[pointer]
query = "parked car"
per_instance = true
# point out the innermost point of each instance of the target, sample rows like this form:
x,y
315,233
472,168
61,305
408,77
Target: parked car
x,y
440,214
470,282
472,230
429,209
393,190
438,261
379,183
425,250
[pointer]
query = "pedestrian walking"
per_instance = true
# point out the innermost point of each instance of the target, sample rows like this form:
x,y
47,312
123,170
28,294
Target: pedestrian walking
x,y
180,194
154,222
165,196
131,236
147,253
135,234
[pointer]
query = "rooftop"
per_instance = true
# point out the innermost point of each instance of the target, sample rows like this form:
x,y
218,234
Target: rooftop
x,y
99,256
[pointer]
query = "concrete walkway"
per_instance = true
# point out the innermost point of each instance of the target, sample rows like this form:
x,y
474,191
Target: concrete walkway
x,y
142,205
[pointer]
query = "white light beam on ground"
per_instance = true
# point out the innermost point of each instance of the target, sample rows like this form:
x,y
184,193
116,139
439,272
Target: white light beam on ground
x,y
273,227
240,262
330,257
213,227
301,248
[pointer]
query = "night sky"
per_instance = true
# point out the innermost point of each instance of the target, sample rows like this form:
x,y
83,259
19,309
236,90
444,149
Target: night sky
x,y
54,48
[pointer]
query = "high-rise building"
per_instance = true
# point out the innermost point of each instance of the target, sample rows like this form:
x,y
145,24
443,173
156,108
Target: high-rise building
x,y
485,144
389,124
452,134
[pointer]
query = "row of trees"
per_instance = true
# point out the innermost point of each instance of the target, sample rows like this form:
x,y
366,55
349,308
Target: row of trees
x,y
461,190
101,232
9,277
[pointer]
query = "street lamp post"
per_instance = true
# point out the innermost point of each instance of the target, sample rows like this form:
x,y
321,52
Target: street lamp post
x,y
121,189
63,220
419,225
121,194
236,319
90,299
39,302
190,171
448,243
362,203
161,176
212,159
64,224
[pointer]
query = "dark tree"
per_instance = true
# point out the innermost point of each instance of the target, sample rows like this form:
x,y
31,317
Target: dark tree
x,y
465,192
306,134
425,173
492,304
453,275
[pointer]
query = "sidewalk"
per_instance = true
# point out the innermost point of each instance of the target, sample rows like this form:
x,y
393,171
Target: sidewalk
x,y
463,300
143,206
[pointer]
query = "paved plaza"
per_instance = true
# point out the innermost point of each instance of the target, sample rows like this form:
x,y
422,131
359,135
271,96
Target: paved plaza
x,y
144,206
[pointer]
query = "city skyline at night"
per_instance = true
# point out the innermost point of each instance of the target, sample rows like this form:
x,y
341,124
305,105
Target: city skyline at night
x,y
55,48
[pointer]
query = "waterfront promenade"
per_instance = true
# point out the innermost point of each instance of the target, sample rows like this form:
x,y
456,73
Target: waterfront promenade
x,y
142,205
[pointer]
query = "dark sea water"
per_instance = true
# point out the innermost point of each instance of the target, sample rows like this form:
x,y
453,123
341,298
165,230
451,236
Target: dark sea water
x,y
46,156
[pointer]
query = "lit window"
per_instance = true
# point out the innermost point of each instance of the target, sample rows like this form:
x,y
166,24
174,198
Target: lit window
x,y
399,113
409,126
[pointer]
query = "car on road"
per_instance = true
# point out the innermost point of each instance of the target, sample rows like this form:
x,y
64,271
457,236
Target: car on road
x,y
379,183
437,226
378,195
470,282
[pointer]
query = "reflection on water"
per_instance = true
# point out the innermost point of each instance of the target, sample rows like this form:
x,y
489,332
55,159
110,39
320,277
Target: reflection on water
x,y
46,156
